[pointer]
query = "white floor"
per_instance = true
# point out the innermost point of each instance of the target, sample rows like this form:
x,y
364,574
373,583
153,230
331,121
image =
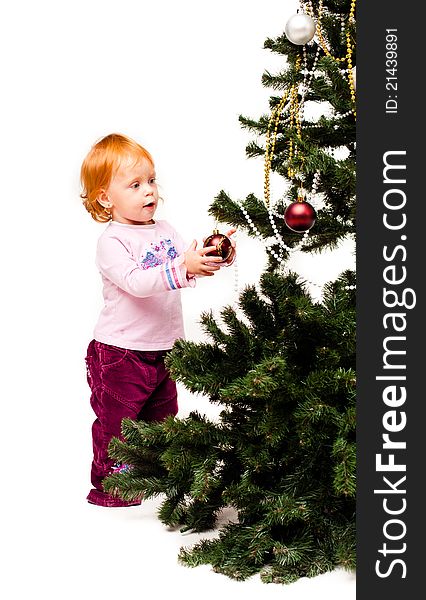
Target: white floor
x,y
91,552
152,550
58,547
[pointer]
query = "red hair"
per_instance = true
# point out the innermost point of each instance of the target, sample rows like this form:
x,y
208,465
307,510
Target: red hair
x,y
100,165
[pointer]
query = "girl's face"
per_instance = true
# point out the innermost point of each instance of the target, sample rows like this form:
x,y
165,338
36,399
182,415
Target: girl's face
x,y
132,195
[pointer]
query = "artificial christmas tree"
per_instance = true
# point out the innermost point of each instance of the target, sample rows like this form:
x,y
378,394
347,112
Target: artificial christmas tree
x,y
281,366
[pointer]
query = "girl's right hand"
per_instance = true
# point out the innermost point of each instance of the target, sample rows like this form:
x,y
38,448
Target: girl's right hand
x,y
197,263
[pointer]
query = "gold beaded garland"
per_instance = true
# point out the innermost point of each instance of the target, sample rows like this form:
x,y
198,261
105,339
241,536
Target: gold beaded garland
x,y
295,122
291,96
290,100
349,47
270,146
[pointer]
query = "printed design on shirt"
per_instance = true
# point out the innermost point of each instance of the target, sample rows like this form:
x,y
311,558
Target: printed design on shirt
x,y
158,254
163,253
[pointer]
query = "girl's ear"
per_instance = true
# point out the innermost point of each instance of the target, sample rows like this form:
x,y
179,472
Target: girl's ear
x,y
103,199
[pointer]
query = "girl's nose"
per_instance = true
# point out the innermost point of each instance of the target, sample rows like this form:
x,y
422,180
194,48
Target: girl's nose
x,y
149,189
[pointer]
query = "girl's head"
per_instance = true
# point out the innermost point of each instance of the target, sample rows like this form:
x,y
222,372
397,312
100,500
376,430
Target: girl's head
x,y
104,177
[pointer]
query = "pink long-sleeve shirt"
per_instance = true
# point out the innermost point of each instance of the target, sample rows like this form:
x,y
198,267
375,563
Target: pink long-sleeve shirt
x,y
143,272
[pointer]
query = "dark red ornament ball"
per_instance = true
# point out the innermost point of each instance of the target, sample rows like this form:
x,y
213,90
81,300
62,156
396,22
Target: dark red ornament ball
x,y
299,216
222,243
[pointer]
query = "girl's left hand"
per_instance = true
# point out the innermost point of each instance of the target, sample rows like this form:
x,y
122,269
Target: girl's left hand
x,y
231,259
229,233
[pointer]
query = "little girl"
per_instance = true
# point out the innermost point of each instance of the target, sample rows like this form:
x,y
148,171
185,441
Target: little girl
x,y
143,264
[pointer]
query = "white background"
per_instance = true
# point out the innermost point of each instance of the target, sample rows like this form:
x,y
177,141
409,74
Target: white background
x,y
175,76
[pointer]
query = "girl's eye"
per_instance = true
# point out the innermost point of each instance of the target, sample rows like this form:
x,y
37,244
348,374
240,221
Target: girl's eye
x,y
135,185
152,180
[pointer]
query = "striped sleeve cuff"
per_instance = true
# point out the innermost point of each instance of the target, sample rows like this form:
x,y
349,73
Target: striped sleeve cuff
x,y
175,276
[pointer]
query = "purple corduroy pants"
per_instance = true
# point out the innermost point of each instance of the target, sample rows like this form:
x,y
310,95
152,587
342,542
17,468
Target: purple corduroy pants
x,y
124,383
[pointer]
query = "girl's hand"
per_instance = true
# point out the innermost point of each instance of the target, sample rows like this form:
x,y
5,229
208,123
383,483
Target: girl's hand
x,y
231,259
229,233
197,263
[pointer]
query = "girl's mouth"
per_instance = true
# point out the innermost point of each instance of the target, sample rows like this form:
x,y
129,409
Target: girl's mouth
x,y
149,205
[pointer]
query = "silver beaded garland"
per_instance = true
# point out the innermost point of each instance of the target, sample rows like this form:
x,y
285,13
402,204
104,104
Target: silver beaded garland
x,y
235,265
278,239
300,30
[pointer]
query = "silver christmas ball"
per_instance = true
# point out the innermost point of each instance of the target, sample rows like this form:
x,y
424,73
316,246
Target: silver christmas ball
x,y
300,29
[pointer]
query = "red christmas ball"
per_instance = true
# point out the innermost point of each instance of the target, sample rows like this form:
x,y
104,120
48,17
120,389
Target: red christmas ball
x,y
223,246
299,216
